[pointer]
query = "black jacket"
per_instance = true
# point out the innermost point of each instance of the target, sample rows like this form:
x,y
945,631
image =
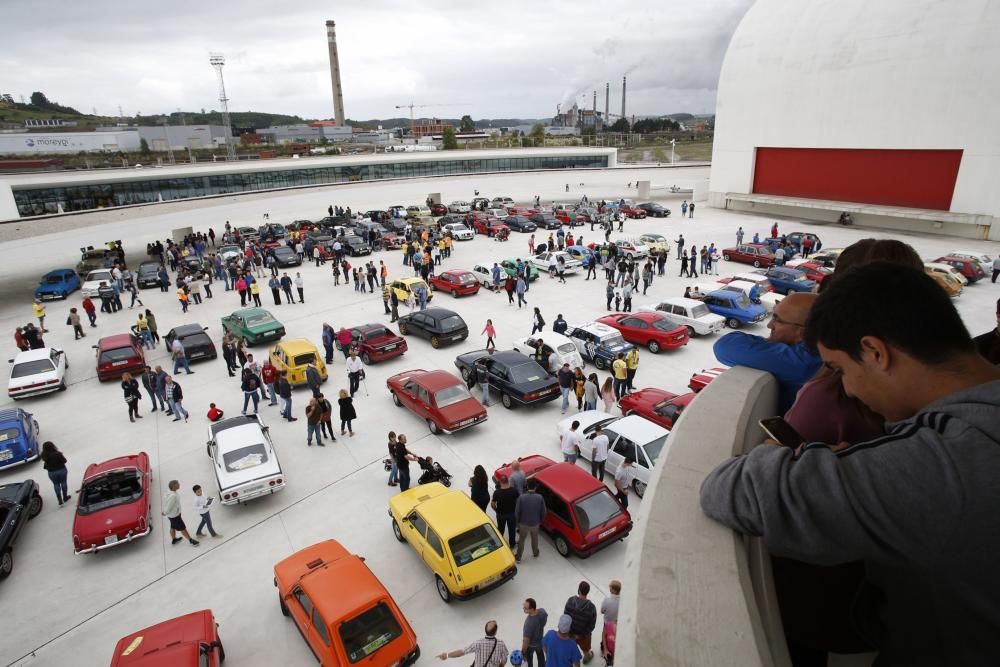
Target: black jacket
x,y
583,613
174,391
284,388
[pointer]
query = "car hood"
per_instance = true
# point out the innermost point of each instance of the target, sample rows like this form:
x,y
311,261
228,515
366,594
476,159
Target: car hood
x,y
45,288
10,492
587,418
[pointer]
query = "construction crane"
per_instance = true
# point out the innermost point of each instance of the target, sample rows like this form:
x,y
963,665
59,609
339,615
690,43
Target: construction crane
x,y
411,106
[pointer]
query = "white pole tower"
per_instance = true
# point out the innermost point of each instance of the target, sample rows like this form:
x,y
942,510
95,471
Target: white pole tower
x,y
217,60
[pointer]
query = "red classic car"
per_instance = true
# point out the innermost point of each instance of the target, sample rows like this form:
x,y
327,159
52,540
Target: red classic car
x,y
573,220
521,210
488,226
457,281
113,504
191,640
654,330
437,397
583,515
758,254
813,270
968,267
656,405
391,242
121,353
376,342
439,209
632,212
701,379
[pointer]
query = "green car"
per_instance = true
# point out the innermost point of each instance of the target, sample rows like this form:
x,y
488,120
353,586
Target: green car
x,y
254,325
510,268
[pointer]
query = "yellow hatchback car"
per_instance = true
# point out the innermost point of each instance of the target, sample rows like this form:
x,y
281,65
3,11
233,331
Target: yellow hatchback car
x,y
404,286
455,538
294,356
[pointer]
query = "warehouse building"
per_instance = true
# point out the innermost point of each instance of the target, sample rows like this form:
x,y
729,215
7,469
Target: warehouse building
x,y
182,137
41,143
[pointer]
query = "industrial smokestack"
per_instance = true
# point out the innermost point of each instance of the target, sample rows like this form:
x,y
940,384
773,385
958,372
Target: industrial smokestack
x,y
338,92
623,97
607,100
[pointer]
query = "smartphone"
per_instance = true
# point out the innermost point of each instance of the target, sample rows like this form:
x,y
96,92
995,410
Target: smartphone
x,y
782,432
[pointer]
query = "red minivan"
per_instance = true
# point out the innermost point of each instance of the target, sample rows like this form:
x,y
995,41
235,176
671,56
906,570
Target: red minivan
x,y
191,640
119,354
583,515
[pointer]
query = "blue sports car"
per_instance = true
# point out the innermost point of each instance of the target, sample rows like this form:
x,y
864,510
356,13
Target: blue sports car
x,y
736,307
18,437
57,284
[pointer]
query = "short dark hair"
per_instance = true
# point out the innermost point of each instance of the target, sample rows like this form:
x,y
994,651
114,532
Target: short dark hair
x,y
531,603
196,488
883,299
583,588
532,484
867,251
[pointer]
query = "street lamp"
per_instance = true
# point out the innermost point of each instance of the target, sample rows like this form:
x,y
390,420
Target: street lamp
x,y
673,142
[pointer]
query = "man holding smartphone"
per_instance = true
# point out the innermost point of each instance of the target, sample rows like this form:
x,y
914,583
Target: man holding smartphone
x,y
202,504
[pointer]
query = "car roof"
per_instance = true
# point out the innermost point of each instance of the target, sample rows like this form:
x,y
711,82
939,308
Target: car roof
x,y
550,337
370,326
245,312
435,380
33,355
598,328
682,301
297,346
728,294
12,414
509,357
409,281
117,340
438,313
188,329
451,513
456,272
569,480
637,429
57,271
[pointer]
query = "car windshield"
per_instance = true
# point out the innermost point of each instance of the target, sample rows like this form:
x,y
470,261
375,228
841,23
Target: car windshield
x,y
54,280
304,359
701,310
29,368
526,373
613,340
664,325
117,487
99,275
567,348
116,354
801,278
474,544
245,458
230,248
451,322
451,395
259,319
466,278
742,300
369,631
597,510
654,448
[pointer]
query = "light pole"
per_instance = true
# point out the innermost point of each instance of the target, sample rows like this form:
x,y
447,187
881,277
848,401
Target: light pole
x,y
217,60
673,142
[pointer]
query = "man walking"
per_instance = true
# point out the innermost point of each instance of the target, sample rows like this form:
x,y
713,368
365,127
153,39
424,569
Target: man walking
x,y
172,510
175,396
529,513
285,394
566,379
584,619
202,505
179,356
488,651
355,371
569,443
504,503
598,452
149,382
286,287
403,458
299,287
534,631
623,480
631,365
680,245
314,414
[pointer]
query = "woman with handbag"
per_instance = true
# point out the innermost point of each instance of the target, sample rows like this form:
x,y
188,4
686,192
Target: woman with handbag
x,y
132,395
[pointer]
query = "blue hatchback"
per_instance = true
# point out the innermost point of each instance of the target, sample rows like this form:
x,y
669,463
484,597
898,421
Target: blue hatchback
x,y
18,437
736,307
786,280
57,284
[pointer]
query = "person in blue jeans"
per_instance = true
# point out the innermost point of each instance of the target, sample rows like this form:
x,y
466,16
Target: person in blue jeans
x,y
394,470
180,358
566,380
250,386
55,464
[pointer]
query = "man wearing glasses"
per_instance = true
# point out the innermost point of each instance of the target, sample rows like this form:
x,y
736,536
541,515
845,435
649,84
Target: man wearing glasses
x,y
782,354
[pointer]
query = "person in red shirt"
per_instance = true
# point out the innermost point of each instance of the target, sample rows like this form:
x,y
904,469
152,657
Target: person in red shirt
x,y
214,413
19,340
88,307
269,375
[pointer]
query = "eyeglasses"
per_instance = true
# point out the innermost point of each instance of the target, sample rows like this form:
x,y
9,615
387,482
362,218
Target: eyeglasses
x,y
777,319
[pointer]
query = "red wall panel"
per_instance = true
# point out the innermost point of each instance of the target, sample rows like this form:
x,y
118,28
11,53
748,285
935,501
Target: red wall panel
x,y
892,177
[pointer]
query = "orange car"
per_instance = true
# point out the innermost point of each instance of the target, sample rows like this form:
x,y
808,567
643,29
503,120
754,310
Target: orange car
x,y
343,611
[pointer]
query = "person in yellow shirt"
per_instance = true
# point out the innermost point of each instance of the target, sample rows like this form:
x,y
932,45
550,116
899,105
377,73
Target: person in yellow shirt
x,y
39,309
447,246
182,296
255,293
619,369
632,362
405,248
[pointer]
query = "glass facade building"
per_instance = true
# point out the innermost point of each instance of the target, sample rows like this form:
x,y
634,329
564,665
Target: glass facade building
x,y
47,200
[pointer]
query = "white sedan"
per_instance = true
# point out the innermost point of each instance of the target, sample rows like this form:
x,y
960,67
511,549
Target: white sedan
x,y
690,313
246,465
632,436
94,280
37,372
543,260
459,207
459,231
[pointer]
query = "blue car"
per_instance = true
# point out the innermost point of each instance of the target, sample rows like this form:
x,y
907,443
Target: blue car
x,y
736,307
598,343
18,437
57,284
786,280
579,252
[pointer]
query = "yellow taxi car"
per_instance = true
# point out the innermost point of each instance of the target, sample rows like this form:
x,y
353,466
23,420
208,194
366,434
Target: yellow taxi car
x,y
455,538
946,279
403,286
293,356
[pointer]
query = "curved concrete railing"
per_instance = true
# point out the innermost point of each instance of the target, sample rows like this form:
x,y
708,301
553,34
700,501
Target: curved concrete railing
x,y
695,592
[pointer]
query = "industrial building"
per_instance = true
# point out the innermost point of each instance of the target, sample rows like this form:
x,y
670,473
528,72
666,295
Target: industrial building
x,y
312,133
41,143
181,137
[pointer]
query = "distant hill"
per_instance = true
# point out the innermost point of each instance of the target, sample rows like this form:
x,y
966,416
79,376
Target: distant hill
x,y
254,119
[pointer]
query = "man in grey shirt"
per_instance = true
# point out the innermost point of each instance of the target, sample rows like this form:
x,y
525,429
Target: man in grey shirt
x,y
534,629
517,478
918,506
529,512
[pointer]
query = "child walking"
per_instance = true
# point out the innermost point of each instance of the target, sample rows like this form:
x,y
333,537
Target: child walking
x,y
201,506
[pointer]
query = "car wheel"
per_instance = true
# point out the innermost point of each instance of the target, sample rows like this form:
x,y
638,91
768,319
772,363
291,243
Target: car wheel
x,y
733,323
507,401
653,346
433,427
62,386
600,363
283,606
756,263
454,294
725,257
690,332
435,342
397,532
247,342
562,546
395,399
366,358
402,328
640,487
466,374
442,589
6,564
34,506
222,652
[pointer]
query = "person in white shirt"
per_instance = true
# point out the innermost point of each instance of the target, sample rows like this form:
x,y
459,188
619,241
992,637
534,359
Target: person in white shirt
x,y
779,256
355,371
570,443
172,510
201,506
623,480
300,285
598,453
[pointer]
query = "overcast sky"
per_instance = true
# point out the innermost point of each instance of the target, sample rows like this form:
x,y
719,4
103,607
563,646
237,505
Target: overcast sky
x,y
491,60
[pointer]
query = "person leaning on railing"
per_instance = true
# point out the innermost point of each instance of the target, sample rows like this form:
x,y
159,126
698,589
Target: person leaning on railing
x,y
917,505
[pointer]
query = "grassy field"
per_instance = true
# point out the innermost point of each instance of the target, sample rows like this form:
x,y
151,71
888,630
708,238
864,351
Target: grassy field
x,y
685,151
83,122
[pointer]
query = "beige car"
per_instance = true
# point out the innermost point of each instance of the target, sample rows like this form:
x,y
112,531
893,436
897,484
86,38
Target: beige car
x,y
941,267
948,282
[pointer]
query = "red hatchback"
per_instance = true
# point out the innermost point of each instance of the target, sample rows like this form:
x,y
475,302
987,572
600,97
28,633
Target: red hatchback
x,y
113,504
119,354
758,254
488,226
969,268
654,330
439,209
583,515
191,640
438,397
457,281
376,342
633,212
656,405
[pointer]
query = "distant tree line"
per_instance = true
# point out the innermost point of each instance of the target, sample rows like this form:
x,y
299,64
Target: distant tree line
x,y
41,103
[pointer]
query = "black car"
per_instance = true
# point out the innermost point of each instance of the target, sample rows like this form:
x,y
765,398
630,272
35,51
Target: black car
x,y
355,245
320,236
296,225
546,221
19,503
519,223
654,210
394,225
192,263
194,340
440,325
272,229
454,220
147,275
518,379
285,256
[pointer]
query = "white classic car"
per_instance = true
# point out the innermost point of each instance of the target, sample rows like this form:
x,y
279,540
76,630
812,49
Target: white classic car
x,y
459,207
246,465
459,231
543,260
93,281
690,313
564,348
37,372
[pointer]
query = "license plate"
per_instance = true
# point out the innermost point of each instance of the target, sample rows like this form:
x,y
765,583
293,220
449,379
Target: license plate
x,y
488,582
6,455
390,348
119,363
111,539
606,533
197,355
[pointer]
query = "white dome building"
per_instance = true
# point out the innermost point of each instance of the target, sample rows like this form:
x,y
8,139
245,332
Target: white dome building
x,y
884,109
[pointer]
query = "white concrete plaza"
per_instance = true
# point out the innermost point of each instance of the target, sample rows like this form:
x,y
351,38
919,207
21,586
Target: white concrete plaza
x,y
70,610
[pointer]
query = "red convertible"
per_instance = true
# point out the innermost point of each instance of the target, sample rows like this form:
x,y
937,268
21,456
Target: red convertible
x,y
457,281
114,504
438,397
653,330
583,516
119,354
376,342
191,640
489,226
656,405
758,254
